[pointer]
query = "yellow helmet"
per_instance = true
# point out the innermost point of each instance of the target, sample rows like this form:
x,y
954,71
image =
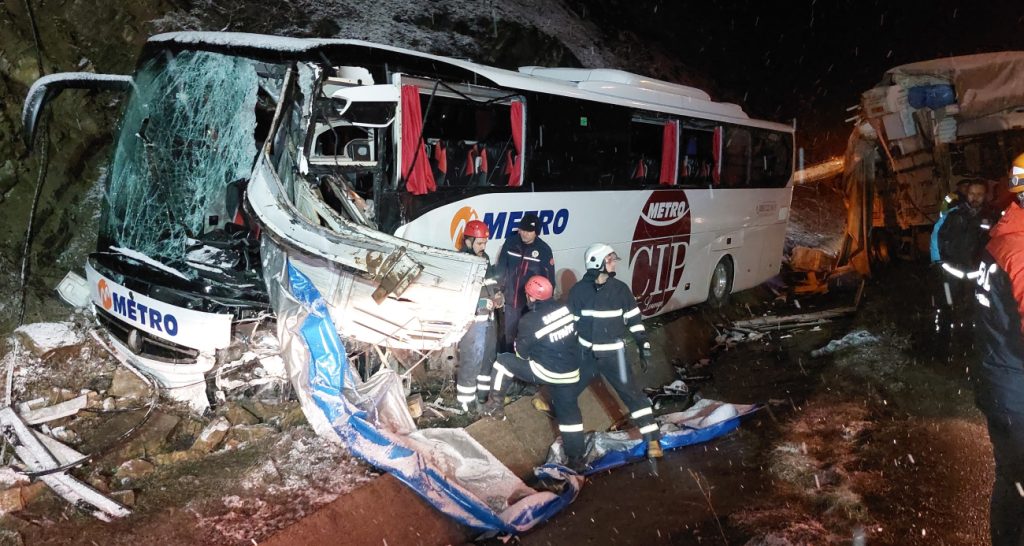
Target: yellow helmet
x,y
1017,175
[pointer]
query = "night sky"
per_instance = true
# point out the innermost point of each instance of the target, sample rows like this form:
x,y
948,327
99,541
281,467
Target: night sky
x,y
810,59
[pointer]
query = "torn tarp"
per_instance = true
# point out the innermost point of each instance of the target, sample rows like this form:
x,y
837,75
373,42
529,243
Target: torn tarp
x,y
446,467
704,421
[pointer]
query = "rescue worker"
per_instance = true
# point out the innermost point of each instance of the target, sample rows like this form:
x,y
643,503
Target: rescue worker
x,y
479,346
957,240
521,257
604,307
545,354
999,389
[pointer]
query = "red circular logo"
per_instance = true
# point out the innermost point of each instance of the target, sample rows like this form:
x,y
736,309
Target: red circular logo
x,y
658,254
104,292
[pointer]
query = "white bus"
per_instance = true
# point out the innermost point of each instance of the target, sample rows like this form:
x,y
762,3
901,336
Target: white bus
x,y
360,163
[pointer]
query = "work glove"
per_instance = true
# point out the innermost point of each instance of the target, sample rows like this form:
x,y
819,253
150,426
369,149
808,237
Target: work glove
x,y
499,300
645,355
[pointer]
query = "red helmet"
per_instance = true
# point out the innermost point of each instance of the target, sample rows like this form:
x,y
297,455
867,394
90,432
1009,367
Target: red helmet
x,y
539,288
476,228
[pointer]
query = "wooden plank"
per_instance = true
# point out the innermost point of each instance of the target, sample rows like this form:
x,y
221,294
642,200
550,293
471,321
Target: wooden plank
x,y
772,321
56,411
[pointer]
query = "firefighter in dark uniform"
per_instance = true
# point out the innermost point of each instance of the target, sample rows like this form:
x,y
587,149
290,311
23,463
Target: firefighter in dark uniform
x,y
477,349
604,308
957,240
545,354
521,257
999,391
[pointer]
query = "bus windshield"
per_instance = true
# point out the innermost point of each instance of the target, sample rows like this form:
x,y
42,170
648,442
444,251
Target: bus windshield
x,y
187,143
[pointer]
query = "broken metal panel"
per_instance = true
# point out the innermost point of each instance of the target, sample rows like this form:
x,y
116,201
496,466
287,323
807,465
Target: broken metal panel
x,y
31,451
186,134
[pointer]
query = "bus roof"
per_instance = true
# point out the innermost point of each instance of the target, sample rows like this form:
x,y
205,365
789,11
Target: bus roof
x,y
600,85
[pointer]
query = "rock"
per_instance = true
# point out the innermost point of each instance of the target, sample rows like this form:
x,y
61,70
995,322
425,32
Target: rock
x,y
32,491
248,433
175,457
98,483
128,385
10,537
125,497
265,412
93,400
10,500
212,435
149,440
43,337
294,418
238,415
109,403
133,470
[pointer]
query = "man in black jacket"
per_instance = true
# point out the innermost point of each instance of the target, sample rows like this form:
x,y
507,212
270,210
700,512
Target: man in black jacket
x,y
999,391
961,235
604,307
522,256
479,345
545,354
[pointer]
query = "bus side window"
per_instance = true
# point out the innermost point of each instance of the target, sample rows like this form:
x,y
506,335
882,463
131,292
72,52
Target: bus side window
x,y
696,158
736,157
770,161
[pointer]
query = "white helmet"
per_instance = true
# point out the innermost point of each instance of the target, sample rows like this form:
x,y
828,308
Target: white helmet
x,y
595,255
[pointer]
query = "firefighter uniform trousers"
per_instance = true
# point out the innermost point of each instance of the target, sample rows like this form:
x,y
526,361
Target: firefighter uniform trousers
x,y
609,360
477,350
564,388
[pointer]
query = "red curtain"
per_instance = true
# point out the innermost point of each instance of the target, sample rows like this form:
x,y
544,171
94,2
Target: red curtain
x,y
669,153
441,156
415,166
515,178
716,151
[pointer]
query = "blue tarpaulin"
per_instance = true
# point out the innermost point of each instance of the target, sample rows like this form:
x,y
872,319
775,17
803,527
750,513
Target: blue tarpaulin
x,y
331,385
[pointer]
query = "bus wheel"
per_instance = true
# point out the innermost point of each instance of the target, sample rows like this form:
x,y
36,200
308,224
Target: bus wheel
x,y
721,283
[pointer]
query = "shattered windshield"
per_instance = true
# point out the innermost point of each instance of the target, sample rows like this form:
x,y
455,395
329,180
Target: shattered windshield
x,y
187,141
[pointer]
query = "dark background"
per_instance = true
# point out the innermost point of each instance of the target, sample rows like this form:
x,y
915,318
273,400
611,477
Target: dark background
x,y
808,60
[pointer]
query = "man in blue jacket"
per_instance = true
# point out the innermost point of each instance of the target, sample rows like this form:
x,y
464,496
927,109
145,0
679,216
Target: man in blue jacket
x,y
522,256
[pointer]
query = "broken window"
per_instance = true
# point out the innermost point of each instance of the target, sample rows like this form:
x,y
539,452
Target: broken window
x,y
187,143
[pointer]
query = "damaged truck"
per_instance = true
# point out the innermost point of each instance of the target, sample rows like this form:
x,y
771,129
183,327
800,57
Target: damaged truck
x,y
925,127
359,164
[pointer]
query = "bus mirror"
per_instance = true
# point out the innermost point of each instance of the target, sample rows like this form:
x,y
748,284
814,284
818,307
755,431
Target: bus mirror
x,y
46,88
366,105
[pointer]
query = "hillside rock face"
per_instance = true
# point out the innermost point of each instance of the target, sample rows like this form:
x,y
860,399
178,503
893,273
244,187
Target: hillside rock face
x,y
67,159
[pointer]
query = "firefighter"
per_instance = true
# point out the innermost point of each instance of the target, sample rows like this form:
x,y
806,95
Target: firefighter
x,y
521,257
999,389
479,346
604,307
545,354
957,240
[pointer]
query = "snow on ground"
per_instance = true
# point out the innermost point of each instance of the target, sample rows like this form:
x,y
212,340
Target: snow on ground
x,y
301,473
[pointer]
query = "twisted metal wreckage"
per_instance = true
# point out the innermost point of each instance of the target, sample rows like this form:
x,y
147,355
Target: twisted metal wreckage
x,y
212,236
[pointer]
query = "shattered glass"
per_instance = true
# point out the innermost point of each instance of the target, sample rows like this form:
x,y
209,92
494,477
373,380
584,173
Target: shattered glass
x,y
187,133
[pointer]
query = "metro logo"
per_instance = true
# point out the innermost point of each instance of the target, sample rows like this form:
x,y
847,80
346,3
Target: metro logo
x,y
127,308
503,223
657,256
666,213
105,298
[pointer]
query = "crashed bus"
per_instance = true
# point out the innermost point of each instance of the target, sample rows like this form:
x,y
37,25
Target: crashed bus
x,y
359,164
925,127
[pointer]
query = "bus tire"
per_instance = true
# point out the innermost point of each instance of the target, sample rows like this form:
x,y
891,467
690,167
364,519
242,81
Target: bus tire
x,y
721,283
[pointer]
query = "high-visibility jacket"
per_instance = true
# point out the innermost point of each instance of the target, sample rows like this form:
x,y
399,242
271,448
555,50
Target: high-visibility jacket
x,y
547,337
1000,306
489,288
604,312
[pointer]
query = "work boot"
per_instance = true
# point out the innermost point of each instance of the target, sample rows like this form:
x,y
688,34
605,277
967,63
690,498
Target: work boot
x,y
578,465
654,450
494,408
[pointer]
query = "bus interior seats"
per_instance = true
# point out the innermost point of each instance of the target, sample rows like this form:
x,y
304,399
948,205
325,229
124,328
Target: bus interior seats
x,y
642,169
